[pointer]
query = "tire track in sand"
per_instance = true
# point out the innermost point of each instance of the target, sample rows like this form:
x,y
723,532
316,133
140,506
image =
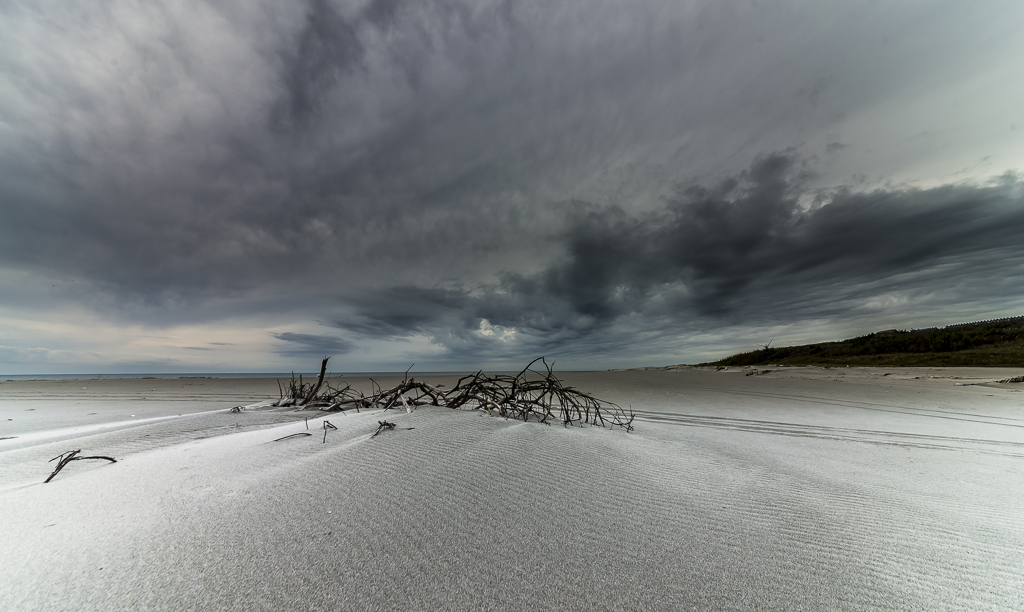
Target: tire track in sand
x,y
998,447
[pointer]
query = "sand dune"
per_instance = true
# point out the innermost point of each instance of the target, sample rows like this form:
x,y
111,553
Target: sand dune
x,y
795,489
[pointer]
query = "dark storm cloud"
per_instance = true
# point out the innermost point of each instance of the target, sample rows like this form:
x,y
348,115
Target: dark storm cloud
x,y
396,312
326,47
304,345
749,243
331,132
327,156
756,247
497,177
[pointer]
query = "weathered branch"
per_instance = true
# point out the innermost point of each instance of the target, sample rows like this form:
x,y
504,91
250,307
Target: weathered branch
x,y
381,425
301,433
68,457
319,382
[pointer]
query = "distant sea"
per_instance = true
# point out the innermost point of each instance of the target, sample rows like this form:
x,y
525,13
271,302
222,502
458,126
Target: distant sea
x,y
13,377
413,374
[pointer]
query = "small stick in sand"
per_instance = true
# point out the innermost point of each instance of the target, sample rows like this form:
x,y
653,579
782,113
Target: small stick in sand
x,y
68,457
327,425
301,433
381,425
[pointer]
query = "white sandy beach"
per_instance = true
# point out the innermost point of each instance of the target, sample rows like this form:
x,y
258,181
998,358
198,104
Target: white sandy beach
x,y
796,489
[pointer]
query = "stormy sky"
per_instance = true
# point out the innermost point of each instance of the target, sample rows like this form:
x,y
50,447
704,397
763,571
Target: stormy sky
x,y
249,186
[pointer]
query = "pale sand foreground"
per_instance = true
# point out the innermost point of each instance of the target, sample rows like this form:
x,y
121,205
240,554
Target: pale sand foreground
x,y
796,489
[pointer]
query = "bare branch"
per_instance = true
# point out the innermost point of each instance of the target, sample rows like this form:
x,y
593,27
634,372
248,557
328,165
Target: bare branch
x,y
69,456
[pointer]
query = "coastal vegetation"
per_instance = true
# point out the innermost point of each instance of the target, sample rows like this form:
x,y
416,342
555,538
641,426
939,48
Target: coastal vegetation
x,y
998,342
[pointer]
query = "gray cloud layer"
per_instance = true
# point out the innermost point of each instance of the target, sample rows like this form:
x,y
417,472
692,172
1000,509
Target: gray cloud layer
x,y
754,248
306,345
395,169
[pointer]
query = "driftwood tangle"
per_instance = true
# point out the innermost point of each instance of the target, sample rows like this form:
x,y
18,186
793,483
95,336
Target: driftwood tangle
x,y
533,393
